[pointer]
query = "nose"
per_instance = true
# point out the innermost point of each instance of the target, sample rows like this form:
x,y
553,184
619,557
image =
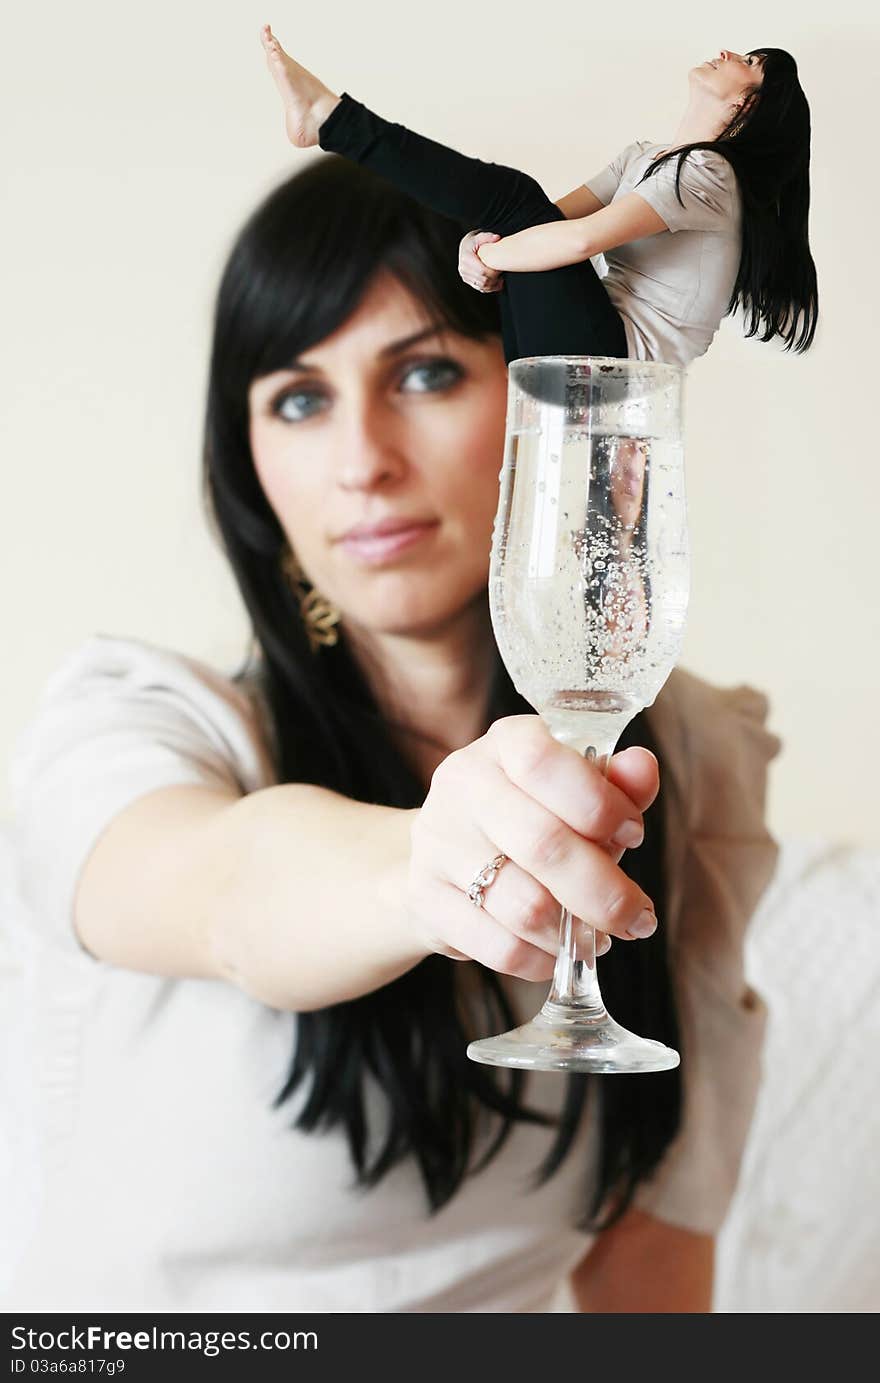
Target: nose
x,y
370,454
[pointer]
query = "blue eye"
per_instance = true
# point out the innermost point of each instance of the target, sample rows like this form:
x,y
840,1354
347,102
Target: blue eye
x,y
295,405
298,405
430,376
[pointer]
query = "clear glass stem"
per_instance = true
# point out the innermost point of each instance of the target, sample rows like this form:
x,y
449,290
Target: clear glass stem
x,y
575,981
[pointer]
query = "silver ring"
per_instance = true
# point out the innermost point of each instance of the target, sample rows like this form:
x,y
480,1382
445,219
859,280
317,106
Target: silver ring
x,y
477,890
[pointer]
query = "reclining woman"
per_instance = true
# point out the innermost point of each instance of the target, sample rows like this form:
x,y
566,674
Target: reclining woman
x,y
714,220
259,966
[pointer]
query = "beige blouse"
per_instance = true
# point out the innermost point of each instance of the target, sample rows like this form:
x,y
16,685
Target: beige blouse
x,y
153,1171
673,289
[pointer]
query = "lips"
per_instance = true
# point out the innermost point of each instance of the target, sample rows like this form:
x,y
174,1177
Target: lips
x,y
377,544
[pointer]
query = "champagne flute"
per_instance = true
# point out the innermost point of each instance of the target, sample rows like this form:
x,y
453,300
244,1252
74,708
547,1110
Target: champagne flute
x,y
588,592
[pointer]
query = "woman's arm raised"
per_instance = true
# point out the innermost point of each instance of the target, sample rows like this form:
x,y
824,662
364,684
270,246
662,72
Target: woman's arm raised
x,y
304,898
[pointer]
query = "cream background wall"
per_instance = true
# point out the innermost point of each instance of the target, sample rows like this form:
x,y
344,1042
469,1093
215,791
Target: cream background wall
x,y
137,142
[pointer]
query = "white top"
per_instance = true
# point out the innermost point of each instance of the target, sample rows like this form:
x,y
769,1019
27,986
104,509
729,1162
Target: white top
x,y
673,289
151,1170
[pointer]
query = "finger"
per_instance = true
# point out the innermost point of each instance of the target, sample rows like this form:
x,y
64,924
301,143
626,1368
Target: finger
x,y
523,907
459,851
475,933
574,870
567,785
515,899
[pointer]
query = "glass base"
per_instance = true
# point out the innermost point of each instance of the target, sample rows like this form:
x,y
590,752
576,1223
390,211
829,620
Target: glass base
x,y
562,1039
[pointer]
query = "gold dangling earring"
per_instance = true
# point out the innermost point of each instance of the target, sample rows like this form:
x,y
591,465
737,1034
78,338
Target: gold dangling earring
x,y
319,616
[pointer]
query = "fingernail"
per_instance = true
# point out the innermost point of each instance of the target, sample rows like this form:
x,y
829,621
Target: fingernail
x,y
628,835
644,925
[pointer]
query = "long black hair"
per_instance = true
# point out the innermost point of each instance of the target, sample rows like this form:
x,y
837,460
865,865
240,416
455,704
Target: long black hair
x,y
768,146
297,271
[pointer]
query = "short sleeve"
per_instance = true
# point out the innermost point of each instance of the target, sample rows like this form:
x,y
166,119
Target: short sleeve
x,y
708,193
605,184
117,719
715,749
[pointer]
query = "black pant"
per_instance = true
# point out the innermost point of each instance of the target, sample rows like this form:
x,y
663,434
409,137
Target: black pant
x,y
556,312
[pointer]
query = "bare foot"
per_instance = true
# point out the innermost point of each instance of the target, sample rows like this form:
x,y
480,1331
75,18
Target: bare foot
x,y
307,101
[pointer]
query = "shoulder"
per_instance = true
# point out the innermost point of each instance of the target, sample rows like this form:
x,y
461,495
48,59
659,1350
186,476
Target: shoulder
x,y
639,149
716,747
709,171
111,657
634,151
687,695
705,174
696,191
715,750
117,719
112,686
711,164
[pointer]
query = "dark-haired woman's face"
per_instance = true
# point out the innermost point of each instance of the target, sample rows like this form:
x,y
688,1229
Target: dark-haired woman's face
x,y
729,76
379,451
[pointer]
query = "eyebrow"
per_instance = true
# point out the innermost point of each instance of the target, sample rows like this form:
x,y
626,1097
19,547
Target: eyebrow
x,y
392,349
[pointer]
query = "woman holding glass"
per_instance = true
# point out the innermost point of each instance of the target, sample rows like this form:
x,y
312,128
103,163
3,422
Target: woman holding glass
x,y
255,965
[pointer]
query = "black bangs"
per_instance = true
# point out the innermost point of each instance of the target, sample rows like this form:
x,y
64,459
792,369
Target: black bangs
x,y
777,62
307,256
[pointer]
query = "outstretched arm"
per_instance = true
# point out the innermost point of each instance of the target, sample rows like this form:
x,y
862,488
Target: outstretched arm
x,y
569,242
